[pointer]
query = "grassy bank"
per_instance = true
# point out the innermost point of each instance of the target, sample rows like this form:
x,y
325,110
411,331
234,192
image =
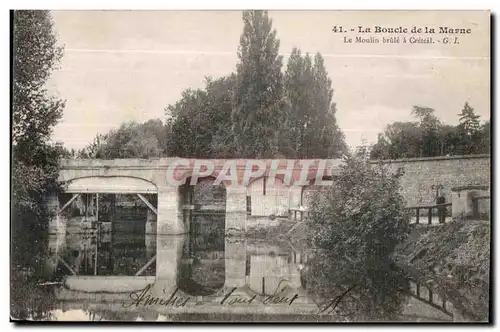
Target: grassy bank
x,y
454,259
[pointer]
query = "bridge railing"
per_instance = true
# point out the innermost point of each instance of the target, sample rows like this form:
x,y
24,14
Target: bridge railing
x,y
429,296
442,211
302,214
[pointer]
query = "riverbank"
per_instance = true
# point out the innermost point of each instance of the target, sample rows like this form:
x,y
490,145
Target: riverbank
x,y
295,233
453,259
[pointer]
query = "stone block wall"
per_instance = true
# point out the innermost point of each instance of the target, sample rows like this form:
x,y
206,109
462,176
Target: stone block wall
x,y
422,173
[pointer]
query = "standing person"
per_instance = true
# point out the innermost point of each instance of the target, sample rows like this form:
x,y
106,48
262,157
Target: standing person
x,y
440,199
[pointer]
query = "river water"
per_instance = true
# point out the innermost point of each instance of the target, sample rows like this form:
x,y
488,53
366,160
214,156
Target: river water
x,y
124,274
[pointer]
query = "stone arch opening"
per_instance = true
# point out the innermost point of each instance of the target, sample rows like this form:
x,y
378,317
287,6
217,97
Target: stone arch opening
x,y
99,202
108,222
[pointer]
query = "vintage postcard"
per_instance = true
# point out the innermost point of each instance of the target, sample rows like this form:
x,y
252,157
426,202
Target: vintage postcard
x,y
250,166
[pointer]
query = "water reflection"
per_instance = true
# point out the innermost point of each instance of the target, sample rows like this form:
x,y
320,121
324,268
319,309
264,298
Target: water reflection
x,y
115,254
198,276
202,264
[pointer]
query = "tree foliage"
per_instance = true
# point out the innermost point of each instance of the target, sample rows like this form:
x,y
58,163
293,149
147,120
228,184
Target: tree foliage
x,y
256,112
258,94
34,111
469,121
470,132
355,236
311,123
199,124
485,141
35,54
429,137
130,140
399,140
429,126
35,167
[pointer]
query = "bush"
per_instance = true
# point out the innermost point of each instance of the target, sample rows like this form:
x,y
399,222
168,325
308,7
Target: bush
x,y
355,226
363,214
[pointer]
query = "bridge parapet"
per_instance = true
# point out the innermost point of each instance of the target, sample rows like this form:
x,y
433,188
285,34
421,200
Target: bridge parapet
x,y
182,169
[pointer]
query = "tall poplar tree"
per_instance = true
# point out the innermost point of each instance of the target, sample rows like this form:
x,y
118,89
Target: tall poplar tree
x,y
298,89
313,128
257,99
327,139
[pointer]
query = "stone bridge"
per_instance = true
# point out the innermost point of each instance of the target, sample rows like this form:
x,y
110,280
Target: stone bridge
x,y
165,177
251,197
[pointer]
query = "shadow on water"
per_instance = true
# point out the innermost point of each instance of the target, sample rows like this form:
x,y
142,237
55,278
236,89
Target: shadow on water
x,y
29,247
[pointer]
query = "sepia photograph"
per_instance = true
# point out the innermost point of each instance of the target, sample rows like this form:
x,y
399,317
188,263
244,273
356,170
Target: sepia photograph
x,y
250,166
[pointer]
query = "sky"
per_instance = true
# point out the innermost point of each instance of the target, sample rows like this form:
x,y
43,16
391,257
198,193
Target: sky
x,y
130,65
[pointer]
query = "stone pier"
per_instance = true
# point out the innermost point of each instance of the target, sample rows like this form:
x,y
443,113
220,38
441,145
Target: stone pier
x,y
462,199
168,256
169,219
236,209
